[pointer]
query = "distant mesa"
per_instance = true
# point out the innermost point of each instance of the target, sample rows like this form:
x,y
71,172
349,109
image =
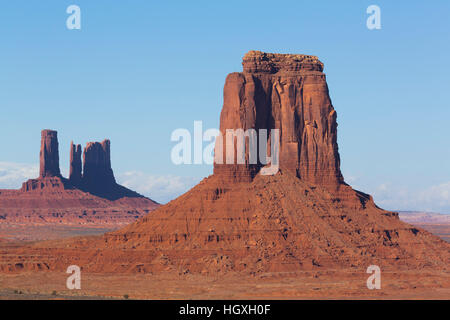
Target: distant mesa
x,y
94,174
90,197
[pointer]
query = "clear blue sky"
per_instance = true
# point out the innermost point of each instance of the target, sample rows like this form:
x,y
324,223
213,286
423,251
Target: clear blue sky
x,y
137,70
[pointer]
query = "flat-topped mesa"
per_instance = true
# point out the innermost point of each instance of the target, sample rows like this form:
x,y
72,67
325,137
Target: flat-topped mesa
x,y
97,171
75,164
49,155
262,62
288,92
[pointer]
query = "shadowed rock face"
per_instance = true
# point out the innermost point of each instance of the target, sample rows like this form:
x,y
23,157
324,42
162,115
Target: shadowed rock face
x,y
75,164
49,155
288,92
97,171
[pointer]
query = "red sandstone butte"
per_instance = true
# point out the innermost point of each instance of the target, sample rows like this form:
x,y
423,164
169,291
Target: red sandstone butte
x,y
90,198
305,217
288,92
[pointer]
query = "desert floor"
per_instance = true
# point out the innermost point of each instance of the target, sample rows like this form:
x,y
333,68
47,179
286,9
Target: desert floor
x,y
21,232
301,285
317,284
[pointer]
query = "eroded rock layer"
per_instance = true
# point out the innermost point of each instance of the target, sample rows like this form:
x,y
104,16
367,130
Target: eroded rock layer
x,y
272,224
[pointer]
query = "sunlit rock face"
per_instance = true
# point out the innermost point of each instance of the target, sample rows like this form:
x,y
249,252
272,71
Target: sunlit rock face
x,y
288,92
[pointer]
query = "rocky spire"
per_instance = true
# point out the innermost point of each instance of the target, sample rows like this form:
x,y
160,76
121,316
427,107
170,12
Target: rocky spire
x,y
49,155
75,164
288,92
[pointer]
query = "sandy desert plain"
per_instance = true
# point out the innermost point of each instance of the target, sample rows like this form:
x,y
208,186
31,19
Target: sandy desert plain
x,y
300,285
174,284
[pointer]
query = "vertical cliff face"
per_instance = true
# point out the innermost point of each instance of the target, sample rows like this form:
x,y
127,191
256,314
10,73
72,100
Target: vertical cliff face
x,y
97,171
49,155
75,164
287,92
